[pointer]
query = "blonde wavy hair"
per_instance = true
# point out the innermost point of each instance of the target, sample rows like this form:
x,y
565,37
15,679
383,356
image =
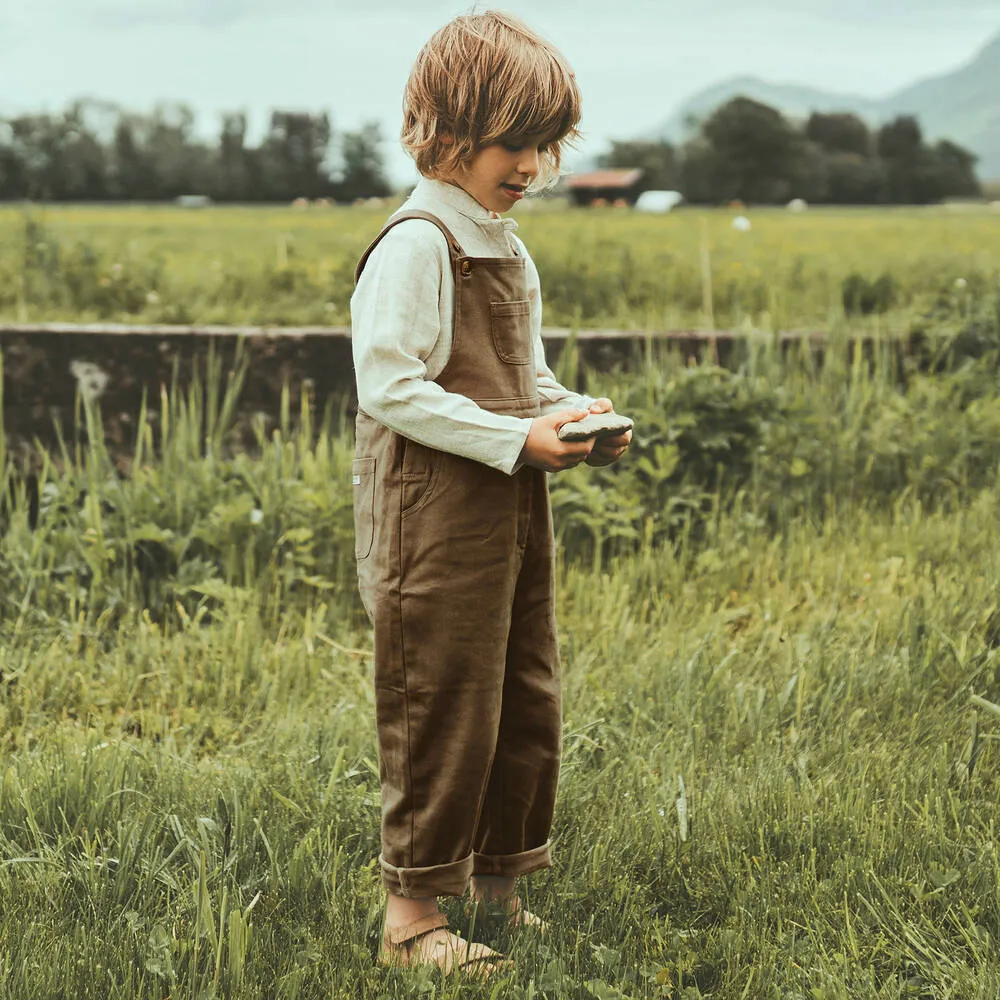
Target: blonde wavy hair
x,y
486,78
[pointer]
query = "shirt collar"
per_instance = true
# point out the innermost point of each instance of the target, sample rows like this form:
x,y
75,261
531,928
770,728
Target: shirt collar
x,y
462,202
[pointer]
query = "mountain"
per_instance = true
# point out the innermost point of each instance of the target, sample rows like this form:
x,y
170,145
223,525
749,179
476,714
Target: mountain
x,y
792,99
963,106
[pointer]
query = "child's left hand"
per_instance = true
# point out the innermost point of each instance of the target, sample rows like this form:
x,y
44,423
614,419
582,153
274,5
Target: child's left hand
x,y
608,450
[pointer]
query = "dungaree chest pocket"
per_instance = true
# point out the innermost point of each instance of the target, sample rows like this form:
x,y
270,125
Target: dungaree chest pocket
x,y
363,479
510,327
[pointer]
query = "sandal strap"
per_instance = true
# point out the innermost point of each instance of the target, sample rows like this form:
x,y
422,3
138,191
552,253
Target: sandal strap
x,y
456,954
512,910
405,946
475,954
396,936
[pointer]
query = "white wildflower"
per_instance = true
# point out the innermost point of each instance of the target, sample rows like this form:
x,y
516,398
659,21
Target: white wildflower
x,y
91,379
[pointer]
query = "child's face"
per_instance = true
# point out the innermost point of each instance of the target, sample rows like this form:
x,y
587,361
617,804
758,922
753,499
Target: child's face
x,y
498,174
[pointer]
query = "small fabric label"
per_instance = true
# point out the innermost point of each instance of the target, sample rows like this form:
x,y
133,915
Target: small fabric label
x,y
357,480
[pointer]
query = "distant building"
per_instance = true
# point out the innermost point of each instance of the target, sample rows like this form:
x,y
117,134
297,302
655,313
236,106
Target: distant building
x,y
606,187
658,201
193,200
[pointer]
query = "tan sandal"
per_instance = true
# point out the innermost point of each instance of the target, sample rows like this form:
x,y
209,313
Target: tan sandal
x,y
418,944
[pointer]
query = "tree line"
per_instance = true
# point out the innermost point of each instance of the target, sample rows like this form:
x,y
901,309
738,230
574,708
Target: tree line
x,y
98,151
748,151
745,150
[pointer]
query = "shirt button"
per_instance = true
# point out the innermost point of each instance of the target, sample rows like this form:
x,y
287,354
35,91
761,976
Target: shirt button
x,y
466,268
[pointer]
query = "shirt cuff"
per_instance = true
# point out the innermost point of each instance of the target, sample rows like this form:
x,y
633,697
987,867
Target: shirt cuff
x,y
518,463
572,402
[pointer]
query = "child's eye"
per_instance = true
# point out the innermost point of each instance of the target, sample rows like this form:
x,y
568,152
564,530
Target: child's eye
x,y
516,147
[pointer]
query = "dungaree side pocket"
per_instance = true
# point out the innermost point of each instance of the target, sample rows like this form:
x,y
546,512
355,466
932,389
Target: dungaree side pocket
x,y
510,327
419,469
363,479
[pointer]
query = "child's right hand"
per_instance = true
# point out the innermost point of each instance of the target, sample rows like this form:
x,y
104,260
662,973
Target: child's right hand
x,y
544,450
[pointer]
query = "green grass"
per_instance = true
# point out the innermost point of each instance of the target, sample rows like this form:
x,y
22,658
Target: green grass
x,y
195,813
779,775
779,617
599,267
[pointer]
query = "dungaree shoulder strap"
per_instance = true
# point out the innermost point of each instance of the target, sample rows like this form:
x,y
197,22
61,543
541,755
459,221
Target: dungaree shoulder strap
x,y
454,247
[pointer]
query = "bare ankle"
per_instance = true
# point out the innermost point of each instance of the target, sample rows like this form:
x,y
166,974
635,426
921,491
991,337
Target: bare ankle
x,y
491,887
403,910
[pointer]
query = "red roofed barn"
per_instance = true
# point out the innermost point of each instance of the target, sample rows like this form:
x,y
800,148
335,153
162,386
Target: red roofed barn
x,y
606,187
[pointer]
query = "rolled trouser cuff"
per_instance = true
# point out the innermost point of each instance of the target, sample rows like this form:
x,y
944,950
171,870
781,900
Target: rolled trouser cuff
x,y
512,865
439,880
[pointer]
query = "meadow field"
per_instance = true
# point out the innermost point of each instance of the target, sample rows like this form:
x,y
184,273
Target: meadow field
x,y
779,615
600,267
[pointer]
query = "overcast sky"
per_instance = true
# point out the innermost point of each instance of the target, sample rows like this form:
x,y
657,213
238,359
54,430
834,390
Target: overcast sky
x,y
635,59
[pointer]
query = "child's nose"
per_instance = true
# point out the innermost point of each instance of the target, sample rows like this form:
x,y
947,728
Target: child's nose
x,y
528,163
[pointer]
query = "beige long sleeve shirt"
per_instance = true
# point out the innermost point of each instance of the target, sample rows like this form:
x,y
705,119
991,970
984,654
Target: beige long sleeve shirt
x,y
401,320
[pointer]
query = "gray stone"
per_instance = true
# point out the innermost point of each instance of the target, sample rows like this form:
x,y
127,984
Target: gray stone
x,y
595,425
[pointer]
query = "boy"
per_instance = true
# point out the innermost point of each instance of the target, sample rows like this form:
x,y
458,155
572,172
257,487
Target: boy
x,y
457,426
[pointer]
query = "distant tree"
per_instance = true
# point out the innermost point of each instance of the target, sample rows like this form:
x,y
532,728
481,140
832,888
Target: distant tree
x,y
131,175
37,141
699,168
900,139
954,171
747,150
83,159
810,180
178,164
756,154
234,166
51,157
853,179
900,144
293,156
658,161
839,133
13,179
362,173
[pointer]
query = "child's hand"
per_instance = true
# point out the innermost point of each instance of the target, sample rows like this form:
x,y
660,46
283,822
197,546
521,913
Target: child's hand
x,y
608,450
544,450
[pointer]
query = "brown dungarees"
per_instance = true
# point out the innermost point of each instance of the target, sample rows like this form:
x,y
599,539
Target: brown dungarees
x,y
455,566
